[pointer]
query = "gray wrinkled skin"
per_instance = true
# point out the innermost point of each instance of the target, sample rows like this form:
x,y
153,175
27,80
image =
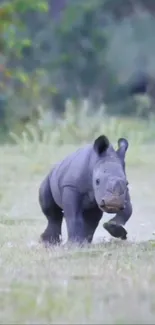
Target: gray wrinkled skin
x,y
109,183
82,186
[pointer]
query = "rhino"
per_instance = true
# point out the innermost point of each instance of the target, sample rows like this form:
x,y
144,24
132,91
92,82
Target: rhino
x,y
85,184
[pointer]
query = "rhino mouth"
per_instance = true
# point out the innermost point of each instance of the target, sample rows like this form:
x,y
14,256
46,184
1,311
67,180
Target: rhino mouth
x,y
111,208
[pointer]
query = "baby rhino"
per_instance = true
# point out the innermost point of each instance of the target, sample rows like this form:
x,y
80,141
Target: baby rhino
x,y
81,187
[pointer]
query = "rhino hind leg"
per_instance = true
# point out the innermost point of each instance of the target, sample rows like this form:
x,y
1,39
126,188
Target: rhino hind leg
x,y
53,213
92,218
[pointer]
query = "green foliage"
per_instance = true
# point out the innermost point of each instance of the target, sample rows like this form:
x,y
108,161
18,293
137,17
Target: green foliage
x,y
11,20
49,57
83,44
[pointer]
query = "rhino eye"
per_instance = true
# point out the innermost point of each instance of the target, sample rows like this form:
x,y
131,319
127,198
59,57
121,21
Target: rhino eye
x,y
97,181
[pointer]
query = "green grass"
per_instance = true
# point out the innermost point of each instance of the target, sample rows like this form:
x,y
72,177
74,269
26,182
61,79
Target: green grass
x,y
107,282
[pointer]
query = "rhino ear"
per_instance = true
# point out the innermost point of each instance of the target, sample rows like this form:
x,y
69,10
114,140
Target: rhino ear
x,y
122,147
101,144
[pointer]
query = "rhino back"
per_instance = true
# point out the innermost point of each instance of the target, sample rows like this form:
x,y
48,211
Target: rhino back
x,y
76,171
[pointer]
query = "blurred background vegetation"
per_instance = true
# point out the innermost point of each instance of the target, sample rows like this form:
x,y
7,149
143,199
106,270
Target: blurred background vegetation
x,y
54,52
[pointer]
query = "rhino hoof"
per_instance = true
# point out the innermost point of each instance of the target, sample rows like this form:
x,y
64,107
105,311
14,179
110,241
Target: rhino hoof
x,y
115,230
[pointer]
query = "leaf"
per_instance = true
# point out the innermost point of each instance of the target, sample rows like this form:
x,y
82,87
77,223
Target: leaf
x,y
43,6
26,42
23,77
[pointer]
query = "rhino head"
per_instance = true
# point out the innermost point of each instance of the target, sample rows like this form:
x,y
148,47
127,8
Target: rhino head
x,y
109,177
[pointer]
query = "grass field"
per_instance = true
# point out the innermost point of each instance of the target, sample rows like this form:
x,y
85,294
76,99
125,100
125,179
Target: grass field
x,y
109,282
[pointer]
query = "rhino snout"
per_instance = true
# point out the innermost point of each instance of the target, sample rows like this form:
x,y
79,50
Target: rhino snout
x,y
111,206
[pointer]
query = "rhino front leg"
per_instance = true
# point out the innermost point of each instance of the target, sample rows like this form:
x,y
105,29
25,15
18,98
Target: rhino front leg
x,y
71,201
92,218
115,225
123,216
